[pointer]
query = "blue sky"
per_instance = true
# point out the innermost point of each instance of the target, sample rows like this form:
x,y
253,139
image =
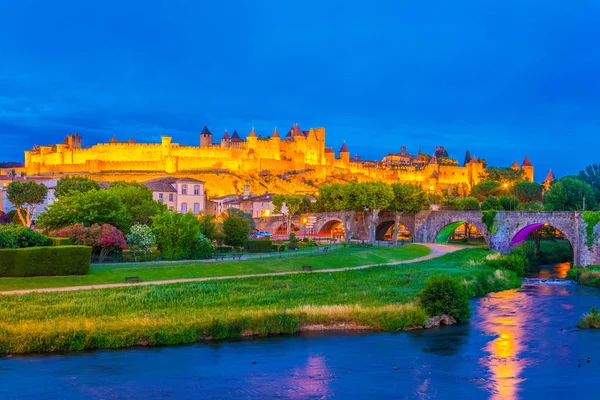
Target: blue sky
x,y
502,79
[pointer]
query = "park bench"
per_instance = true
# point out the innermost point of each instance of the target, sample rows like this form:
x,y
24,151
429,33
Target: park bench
x,y
131,279
236,255
307,268
219,256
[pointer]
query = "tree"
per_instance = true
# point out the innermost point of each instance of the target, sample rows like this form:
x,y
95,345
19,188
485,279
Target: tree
x,y
68,185
468,203
26,196
503,175
140,239
175,233
467,157
93,207
509,203
567,194
408,199
244,215
376,196
527,192
105,239
289,205
484,190
208,225
491,204
236,230
591,176
138,201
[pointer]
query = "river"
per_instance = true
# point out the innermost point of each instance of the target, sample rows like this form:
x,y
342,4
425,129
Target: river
x,y
519,344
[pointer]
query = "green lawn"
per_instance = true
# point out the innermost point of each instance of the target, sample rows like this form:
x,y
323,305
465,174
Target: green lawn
x,y
378,298
338,258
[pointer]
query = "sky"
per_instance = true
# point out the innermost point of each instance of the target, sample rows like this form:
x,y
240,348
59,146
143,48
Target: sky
x,y
504,79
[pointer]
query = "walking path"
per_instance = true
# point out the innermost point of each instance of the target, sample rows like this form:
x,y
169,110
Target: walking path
x,y
437,250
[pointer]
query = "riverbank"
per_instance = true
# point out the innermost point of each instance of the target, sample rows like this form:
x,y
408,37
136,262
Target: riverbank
x,y
152,272
379,298
586,276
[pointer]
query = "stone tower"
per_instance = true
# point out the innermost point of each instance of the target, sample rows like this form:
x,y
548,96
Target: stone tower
x,y
527,167
73,141
548,181
276,144
206,138
345,155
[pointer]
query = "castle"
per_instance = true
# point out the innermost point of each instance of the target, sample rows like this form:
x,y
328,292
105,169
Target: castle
x,y
298,150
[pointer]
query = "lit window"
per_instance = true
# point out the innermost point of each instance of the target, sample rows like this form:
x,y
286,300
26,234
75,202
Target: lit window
x,y
196,208
183,208
183,189
197,190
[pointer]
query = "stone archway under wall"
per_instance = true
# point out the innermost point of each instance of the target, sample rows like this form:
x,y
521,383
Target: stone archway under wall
x,y
432,226
327,226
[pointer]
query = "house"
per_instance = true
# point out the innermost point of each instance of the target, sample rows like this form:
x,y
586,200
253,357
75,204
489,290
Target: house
x,y
181,194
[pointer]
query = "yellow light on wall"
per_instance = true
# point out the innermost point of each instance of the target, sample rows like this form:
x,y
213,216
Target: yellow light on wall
x,y
267,212
505,185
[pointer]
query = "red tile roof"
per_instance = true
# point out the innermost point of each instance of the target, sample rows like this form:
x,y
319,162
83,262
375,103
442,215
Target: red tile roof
x,y
344,148
526,163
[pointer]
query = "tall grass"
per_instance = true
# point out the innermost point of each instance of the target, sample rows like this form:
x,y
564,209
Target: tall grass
x,y
378,298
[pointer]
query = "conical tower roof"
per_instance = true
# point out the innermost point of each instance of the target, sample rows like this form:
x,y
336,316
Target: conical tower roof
x,y
226,135
275,133
252,133
344,148
205,131
550,177
515,165
526,163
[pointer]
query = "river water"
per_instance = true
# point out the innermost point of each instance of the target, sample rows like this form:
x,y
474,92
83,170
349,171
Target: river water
x,y
519,344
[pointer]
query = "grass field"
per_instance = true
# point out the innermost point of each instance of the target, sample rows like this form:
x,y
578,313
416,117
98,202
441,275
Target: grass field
x,y
376,298
338,258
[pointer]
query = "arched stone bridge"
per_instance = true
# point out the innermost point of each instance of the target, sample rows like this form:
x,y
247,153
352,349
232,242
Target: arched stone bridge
x,y
510,228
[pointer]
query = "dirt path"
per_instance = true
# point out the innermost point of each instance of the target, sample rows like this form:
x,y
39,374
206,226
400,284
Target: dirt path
x,y
437,250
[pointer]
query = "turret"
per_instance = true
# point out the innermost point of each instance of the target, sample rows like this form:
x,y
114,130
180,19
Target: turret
x,y
276,144
548,181
527,167
345,154
515,166
329,156
226,139
206,138
252,140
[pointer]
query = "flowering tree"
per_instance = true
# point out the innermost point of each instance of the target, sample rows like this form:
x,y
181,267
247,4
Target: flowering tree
x,y
105,239
141,239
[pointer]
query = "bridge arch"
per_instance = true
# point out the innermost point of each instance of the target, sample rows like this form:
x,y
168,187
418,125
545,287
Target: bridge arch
x,y
466,230
385,231
330,227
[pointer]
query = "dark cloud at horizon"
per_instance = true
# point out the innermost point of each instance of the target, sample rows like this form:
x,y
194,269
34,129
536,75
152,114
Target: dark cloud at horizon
x,y
502,80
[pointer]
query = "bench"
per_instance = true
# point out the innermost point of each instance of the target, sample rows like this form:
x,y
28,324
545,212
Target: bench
x,y
219,256
131,279
236,255
307,268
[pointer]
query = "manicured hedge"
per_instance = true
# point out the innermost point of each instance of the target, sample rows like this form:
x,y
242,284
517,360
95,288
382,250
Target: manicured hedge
x,y
45,261
58,241
258,246
15,237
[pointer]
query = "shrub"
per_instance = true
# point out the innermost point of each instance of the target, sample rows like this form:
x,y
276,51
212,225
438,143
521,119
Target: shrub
x,y
202,248
15,237
258,246
468,203
104,239
175,233
236,230
224,249
514,262
140,239
491,203
509,203
293,242
58,241
591,320
444,295
45,261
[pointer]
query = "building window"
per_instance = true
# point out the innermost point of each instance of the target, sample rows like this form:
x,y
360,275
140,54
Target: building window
x,y
196,190
160,197
196,208
183,208
183,189
170,196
